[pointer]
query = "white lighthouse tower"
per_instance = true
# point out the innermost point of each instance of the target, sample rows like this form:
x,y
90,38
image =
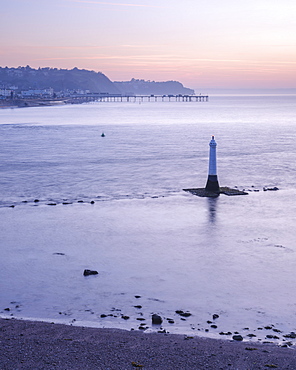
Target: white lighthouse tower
x,y
212,183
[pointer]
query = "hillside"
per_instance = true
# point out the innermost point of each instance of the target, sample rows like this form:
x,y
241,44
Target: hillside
x,y
26,78
143,87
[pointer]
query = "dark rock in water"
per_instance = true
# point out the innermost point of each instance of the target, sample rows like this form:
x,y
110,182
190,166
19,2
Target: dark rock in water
x,y
103,315
90,272
183,314
7,309
51,204
79,201
92,202
215,316
36,200
156,319
251,335
59,254
271,189
214,326
137,296
237,337
125,317
269,336
277,330
292,335
170,321
138,306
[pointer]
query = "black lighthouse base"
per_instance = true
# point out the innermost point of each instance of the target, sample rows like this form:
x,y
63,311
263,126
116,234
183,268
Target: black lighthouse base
x,y
213,184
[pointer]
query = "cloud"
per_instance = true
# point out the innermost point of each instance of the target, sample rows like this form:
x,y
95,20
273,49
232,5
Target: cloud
x,y
114,4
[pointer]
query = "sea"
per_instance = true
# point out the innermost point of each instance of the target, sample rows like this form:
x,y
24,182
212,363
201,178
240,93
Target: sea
x,y
72,199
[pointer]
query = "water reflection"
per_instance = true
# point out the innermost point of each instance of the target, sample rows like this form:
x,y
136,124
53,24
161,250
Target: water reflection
x,y
212,205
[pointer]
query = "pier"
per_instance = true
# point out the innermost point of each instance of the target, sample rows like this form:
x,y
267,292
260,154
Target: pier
x,y
137,98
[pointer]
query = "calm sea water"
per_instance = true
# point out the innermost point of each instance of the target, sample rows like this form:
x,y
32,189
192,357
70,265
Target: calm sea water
x,y
233,256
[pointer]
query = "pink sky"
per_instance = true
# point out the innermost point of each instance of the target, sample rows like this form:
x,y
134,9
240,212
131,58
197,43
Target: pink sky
x,y
202,43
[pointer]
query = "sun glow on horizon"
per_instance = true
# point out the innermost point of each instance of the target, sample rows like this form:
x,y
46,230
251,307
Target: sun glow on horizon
x,y
200,44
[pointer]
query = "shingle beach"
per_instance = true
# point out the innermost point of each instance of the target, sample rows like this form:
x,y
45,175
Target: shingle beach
x,y
40,345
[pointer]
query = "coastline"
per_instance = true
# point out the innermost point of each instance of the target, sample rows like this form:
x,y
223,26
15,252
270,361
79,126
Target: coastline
x,y
29,103
40,345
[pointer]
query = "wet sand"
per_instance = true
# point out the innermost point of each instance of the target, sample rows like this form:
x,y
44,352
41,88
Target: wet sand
x,y
39,345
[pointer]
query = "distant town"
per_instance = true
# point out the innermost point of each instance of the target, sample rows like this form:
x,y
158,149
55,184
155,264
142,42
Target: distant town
x,y
26,86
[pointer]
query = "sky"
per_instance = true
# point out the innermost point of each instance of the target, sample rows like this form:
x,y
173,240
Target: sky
x,y
205,44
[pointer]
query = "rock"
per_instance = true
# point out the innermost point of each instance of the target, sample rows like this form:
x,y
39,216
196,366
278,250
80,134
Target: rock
x,y
183,314
156,319
103,315
138,306
92,202
215,316
90,272
277,330
137,296
269,336
170,321
292,335
271,189
36,200
237,337
7,309
125,317
135,364
214,326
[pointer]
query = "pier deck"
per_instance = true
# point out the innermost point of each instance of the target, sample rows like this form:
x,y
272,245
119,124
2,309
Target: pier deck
x,y
140,98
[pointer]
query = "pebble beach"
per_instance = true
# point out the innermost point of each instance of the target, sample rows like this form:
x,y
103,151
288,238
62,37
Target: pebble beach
x,y
39,345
